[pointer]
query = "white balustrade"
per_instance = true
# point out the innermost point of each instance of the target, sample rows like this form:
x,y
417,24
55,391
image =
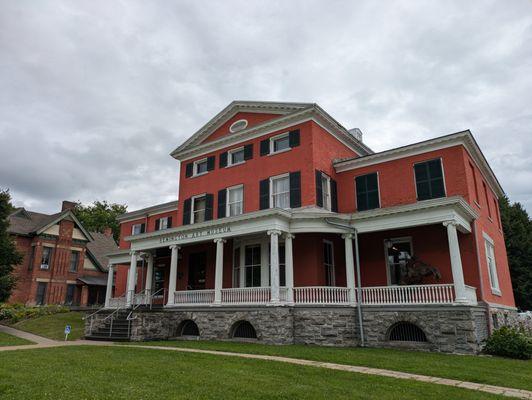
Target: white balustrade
x,y
248,295
321,295
411,294
194,296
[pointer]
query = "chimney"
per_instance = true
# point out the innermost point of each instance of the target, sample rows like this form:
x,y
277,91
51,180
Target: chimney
x,y
108,232
68,205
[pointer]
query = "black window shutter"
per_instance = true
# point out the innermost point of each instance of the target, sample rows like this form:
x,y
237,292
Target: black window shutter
x,y
293,138
222,201
210,163
264,199
157,224
187,205
223,160
169,222
334,196
142,228
189,170
319,190
209,200
248,151
265,147
295,189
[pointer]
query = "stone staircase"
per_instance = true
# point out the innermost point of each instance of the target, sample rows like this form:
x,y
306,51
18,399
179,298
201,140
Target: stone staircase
x,y
116,329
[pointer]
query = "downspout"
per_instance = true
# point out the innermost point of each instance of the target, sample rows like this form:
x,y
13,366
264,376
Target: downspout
x,y
358,282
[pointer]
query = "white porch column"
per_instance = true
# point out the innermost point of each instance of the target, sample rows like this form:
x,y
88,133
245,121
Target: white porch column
x,y
132,279
173,275
456,262
274,265
289,267
109,288
350,266
149,274
218,275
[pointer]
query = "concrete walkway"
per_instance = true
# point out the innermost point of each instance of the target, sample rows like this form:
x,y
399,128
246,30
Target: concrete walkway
x,y
48,343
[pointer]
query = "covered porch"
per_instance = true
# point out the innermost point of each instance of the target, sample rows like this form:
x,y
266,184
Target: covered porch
x,y
304,258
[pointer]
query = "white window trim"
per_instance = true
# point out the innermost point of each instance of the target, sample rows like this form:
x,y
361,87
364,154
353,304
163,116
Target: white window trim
x,y
442,174
327,206
274,138
230,153
495,287
378,189
228,205
325,241
160,225
193,200
195,167
403,239
231,130
272,178
133,229
47,266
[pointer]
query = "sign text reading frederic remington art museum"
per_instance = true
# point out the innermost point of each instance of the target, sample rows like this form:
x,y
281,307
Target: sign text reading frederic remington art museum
x,y
196,234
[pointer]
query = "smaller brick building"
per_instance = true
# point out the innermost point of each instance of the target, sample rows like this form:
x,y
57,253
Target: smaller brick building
x,y
63,262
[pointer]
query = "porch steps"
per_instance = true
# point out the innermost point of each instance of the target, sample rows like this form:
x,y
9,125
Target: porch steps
x,y
117,331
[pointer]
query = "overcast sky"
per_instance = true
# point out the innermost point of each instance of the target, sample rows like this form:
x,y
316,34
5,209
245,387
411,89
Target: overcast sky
x,y
95,94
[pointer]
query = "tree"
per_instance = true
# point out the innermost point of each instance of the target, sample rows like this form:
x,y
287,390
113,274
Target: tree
x,y
100,215
518,237
9,256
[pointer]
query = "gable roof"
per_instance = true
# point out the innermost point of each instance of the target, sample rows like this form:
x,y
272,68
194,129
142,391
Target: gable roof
x,y
151,210
289,114
27,223
99,247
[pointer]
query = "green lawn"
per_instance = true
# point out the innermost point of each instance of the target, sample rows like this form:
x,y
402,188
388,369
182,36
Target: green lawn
x,y
9,340
53,326
84,372
481,369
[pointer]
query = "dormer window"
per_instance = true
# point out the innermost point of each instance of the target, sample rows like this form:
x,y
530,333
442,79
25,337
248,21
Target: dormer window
x,y
238,125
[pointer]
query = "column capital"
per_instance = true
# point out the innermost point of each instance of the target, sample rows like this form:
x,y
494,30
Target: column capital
x,y
289,236
110,266
133,253
348,236
219,240
174,246
451,223
274,232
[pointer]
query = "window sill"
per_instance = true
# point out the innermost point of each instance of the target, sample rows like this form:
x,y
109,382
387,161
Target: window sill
x,y
196,175
496,292
235,164
279,152
476,203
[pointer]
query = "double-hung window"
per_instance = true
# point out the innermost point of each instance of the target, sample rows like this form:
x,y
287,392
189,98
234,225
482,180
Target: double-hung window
x,y
326,191
235,200
69,298
200,167
328,263
279,143
74,260
235,156
429,179
136,229
163,223
46,257
492,266
367,191
199,204
252,265
280,191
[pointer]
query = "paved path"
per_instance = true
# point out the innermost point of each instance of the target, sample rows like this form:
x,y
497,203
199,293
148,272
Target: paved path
x,y
47,343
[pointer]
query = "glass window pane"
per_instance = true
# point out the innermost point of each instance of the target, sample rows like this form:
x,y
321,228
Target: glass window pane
x,y
421,172
371,182
434,167
423,190
373,200
281,144
237,156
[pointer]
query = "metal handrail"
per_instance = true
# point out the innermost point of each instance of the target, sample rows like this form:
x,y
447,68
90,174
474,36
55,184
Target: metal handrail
x,y
150,297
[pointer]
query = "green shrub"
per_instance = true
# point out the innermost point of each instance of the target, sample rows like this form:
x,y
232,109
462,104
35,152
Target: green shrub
x,y
510,342
11,313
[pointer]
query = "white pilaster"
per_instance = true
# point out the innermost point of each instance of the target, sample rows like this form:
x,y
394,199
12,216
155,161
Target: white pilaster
x,y
149,274
274,265
456,262
350,266
132,279
289,267
218,274
173,275
109,288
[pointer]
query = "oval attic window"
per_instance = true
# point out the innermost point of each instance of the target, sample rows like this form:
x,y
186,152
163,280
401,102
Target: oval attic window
x,y
238,125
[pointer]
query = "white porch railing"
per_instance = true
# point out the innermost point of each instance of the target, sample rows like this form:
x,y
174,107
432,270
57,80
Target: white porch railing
x,y
248,295
321,295
194,296
411,294
141,298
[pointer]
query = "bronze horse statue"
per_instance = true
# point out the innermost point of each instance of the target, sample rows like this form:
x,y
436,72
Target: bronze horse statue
x,y
415,271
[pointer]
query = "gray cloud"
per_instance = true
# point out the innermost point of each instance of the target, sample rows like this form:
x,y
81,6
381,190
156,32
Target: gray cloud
x,y
94,95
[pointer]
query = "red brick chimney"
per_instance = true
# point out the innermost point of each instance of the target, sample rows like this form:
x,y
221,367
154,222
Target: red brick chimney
x,y
108,232
68,205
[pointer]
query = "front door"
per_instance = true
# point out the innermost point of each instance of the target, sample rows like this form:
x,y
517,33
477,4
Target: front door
x,y
197,263
398,252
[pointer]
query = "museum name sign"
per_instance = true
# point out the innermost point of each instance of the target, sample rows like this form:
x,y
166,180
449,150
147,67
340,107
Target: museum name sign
x,y
196,234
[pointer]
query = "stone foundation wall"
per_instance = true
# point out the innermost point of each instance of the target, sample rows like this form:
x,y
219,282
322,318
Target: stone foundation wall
x,y
500,317
326,326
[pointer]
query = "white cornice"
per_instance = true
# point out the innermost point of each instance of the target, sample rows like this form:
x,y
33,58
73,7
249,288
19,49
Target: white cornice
x,y
464,138
311,113
148,211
